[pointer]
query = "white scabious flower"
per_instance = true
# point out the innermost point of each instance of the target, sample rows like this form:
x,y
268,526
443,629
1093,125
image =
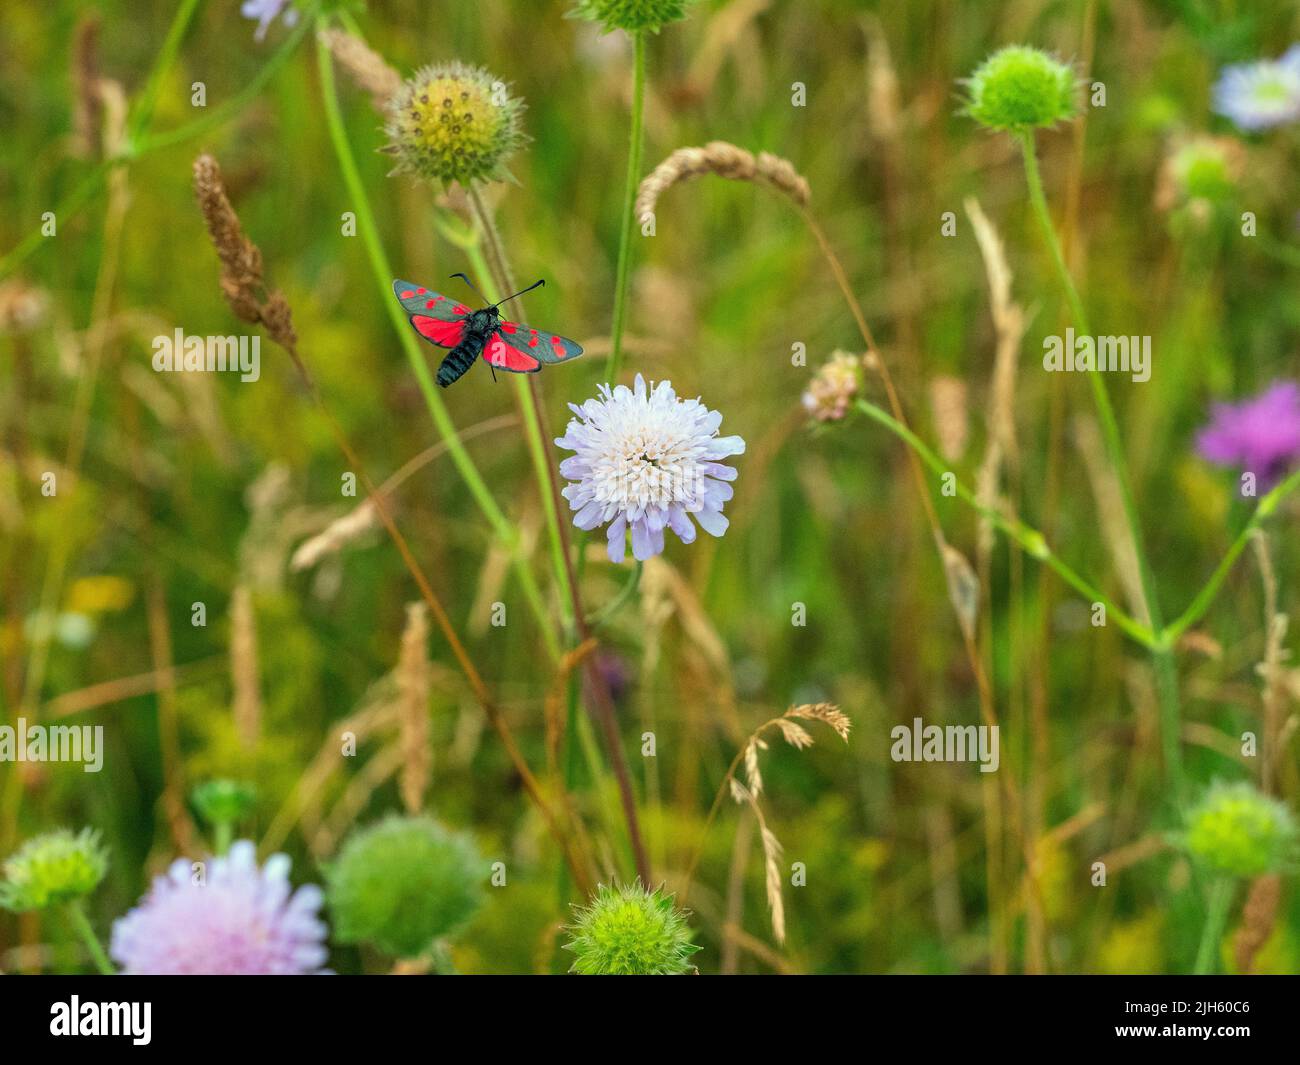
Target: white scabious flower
x,y
1261,94
645,461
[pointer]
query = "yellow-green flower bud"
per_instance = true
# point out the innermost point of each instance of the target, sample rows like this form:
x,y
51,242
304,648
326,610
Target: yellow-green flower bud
x,y
454,123
54,868
1238,831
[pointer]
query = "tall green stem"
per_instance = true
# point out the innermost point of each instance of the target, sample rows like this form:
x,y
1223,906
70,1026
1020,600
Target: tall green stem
x,y
1206,595
81,923
629,198
498,281
383,273
1220,900
1162,654
1028,538
143,113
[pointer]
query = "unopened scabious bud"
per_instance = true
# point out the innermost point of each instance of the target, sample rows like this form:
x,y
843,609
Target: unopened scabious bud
x,y
1201,173
632,15
833,387
1238,831
629,931
454,123
223,801
1018,89
403,884
51,869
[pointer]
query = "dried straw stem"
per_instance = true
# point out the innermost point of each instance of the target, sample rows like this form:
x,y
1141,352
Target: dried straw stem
x,y
363,65
413,678
1257,919
799,738
1271,669
247,700
160,653
87,101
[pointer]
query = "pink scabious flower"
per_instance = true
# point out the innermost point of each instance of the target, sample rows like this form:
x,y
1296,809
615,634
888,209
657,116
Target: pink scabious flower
x,y
1259,435
237,920
645,461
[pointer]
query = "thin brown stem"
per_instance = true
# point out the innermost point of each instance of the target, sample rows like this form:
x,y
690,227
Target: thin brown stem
x,y
597,686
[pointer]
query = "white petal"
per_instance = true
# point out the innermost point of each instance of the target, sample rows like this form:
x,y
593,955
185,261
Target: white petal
x,y
616,539
713,522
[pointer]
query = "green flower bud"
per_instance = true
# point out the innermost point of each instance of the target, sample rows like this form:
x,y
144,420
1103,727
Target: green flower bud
x,y
402,884
632,15
453,122
1238,831
1201,172
629,931
223,802
1018,89
51,869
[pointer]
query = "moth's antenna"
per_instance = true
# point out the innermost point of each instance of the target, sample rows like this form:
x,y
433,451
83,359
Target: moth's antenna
x,y
523,290
471,285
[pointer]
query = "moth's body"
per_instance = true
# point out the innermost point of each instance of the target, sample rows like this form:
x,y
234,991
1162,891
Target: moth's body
x,y
479,327
468,335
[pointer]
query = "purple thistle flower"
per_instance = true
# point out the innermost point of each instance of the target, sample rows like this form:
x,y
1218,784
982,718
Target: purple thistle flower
x,y
265,11
240,921
1259,435
647,461
1260,94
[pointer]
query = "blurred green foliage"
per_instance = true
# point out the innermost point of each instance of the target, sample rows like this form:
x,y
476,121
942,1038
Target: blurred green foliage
x,y
897,856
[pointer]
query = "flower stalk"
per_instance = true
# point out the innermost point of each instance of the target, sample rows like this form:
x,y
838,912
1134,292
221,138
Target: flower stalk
x,y
1166,673
1216,916
81,924
636,145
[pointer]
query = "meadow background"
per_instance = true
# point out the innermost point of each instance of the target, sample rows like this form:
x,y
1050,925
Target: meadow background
x,y
185,489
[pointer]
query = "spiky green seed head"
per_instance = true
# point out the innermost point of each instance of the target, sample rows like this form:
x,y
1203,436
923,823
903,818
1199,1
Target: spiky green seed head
x,y
1238,831
454,123
57,867
403,884
629,931
222,801
1018,89
632,16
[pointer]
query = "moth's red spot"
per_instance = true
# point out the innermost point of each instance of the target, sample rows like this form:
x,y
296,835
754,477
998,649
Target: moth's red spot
x,y
533,342
460,308
557,344
408,294
509,327
430,303
421,291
